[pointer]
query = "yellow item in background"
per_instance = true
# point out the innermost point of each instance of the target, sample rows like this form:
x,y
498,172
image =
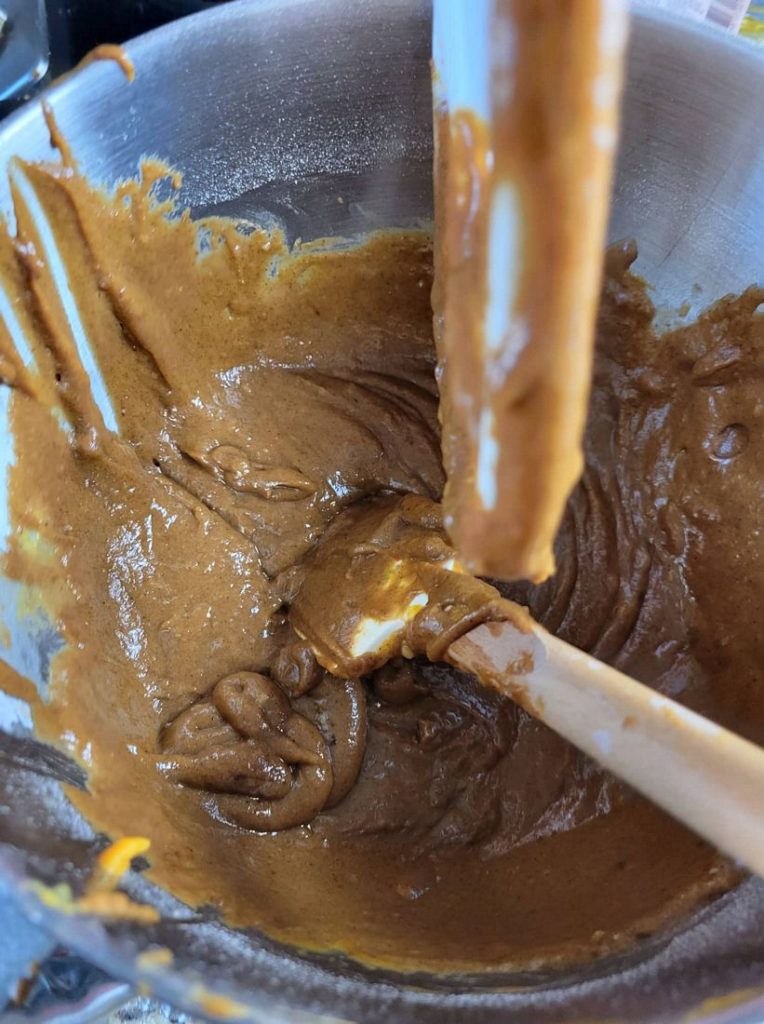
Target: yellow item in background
x,y
753,23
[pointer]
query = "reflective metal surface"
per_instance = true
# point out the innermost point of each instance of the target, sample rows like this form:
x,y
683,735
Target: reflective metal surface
x,y
23,49
275,109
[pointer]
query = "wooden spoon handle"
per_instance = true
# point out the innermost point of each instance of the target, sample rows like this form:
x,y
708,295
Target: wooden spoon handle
x,y
702,774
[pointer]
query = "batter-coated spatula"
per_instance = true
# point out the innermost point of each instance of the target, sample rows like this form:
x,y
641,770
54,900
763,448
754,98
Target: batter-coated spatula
x,y
526,97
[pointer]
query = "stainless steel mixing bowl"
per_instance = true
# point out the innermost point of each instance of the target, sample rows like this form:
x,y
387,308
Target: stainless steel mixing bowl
x,y
273,108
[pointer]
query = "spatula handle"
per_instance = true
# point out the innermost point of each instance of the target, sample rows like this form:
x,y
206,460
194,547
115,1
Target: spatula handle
x,y
704,775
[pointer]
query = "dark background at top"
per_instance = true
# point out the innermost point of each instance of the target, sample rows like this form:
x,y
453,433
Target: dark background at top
x,y
76,26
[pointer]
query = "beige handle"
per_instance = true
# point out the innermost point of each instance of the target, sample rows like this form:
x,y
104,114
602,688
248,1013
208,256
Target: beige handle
x,y
702,774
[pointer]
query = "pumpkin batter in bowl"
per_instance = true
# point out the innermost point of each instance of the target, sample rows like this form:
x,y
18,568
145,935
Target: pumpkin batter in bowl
x,y
197,406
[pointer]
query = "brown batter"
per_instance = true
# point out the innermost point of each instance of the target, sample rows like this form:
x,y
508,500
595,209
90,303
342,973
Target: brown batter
x,y
254,396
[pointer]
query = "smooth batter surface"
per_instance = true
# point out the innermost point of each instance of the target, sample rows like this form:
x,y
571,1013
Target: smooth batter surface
x,y
250,396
